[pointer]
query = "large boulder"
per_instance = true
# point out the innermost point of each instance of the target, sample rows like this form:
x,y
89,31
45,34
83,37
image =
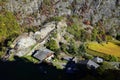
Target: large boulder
x,y
24,42
47,28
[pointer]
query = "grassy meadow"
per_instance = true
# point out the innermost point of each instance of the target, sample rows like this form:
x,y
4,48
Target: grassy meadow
x,y
110,48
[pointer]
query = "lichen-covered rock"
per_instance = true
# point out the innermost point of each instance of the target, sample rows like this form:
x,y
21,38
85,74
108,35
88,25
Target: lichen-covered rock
x,y
22,52
25,8
24,42
47,28
93,10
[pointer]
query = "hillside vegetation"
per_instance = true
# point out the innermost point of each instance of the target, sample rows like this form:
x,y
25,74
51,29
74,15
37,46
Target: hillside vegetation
x,y
9,29
8,25
86,20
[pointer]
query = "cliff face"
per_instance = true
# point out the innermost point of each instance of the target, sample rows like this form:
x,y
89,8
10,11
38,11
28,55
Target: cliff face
x,y
95,9
36,12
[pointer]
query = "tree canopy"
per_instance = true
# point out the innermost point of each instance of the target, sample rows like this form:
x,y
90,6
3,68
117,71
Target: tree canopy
x,y
8,26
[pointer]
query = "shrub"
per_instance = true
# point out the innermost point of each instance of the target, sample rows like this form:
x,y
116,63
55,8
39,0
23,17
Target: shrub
x,y
72,48
118,37
3,1
9,26
9,29
82,49
75,31
56,18
47,2
87,56
112,58
94,34
66,37
54,34
52,45
63,47
104,67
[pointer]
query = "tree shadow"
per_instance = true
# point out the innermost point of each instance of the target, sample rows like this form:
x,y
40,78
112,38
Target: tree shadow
x,y
111,74
23,69
82,72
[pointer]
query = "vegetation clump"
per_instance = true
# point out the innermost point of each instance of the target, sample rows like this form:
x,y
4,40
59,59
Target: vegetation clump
x,y
52,45
9,26
75,31
72,48
104,66
9,29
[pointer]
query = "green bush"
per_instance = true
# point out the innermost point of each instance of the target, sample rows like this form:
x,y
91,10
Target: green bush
x,y
66,37
64,47
75,31
8,26
104,66
72,48
113,58
118,37
87,56
56,18
9,29
52,45
1,1
54,34
47,2
82,48
94,34
110,58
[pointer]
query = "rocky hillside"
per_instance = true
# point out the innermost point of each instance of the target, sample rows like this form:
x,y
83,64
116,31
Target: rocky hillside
x,y
68,22
36,12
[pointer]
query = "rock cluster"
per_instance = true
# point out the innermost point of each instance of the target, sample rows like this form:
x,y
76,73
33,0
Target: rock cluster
x,y
93,10
26,41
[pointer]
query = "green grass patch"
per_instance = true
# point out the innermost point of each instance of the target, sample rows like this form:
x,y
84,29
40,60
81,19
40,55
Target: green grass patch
x,y
116,42
31,59
106,50
75,30
26,58
95,53
58,63
11,58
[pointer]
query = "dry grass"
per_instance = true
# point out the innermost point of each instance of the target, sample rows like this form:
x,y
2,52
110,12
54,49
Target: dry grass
x,y
109,48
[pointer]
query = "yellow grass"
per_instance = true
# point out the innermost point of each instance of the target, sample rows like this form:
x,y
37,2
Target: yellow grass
x,y
110,48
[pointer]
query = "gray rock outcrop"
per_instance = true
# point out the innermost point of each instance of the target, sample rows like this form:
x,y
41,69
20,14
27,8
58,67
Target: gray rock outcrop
x,y
93,10
37,12
26,42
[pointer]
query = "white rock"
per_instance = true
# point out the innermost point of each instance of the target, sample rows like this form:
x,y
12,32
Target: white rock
x,y
25,42
61,24
47,28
